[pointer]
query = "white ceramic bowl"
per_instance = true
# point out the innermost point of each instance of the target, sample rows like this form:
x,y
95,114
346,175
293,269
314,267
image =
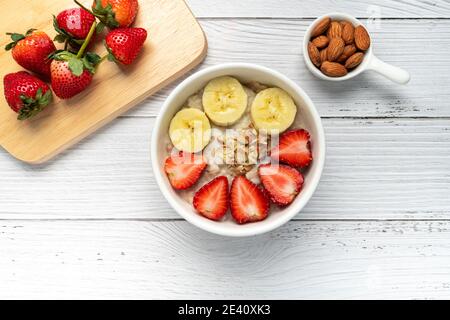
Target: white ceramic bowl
x,y
245,73
370,62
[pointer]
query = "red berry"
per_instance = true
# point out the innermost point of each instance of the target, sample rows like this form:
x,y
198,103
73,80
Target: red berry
x,y
294,149
282,183
71,74
124,44
64,83
184,169
31,51
74,24
26,94
121,13
212,200
248,201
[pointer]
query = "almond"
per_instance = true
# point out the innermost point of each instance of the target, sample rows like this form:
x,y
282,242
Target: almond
x,y
354,60
335,49
362,38
321,27
314,54
349,50
333,69
324,55
348,32
335,30
321,42
344,22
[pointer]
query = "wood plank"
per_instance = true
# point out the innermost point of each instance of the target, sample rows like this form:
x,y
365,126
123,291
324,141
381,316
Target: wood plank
x,y
277,43
313,260
175,45
311,8
375,169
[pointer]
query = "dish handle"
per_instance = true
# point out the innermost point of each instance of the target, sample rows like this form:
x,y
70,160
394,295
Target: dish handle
x,y
389,71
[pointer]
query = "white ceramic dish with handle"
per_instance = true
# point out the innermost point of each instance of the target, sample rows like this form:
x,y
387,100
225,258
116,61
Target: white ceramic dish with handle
x,y
244,73
370,62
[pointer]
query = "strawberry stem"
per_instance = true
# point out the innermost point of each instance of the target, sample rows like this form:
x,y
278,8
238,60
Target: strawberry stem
x,y
90,11
87,40
83,7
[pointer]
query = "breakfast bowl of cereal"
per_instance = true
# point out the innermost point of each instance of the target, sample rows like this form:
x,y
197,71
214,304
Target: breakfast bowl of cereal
x,y
238,149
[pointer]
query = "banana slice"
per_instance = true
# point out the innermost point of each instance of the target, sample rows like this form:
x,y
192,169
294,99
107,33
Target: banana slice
x,y
273,110
224,101
190,130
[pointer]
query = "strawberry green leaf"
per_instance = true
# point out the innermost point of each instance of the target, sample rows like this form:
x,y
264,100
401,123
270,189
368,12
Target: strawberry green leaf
x,y
16,36
90,61
89,67
26,100
93,58
32,106
60,38
39,94
29,32
62,34
111,56
105,14
78,42
54,55
46,99
100,27
24,113
9,46
76,66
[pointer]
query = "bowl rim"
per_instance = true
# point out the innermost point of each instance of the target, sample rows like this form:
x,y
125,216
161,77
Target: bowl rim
x,y
253,228
314,70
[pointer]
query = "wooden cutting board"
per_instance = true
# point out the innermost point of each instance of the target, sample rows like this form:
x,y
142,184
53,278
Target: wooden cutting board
x,y
176,44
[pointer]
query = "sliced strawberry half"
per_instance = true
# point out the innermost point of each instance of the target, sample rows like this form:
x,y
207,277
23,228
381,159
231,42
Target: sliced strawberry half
x,y
282,183
212,200
248,201
294,149
184,169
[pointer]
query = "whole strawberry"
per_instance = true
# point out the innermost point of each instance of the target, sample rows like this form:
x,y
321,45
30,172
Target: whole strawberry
x,y
26,94
73,25
31,51
70,74
124,44
116,13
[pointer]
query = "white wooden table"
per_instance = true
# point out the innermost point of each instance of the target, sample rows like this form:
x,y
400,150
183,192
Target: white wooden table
x,y
92,223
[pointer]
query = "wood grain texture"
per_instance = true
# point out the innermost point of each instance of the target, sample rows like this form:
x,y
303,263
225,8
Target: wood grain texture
x,y
313,8
276,43
312,260
175,45
375,169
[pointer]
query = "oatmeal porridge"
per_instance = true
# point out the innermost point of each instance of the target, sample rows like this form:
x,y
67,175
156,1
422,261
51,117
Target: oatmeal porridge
x,y
235,130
